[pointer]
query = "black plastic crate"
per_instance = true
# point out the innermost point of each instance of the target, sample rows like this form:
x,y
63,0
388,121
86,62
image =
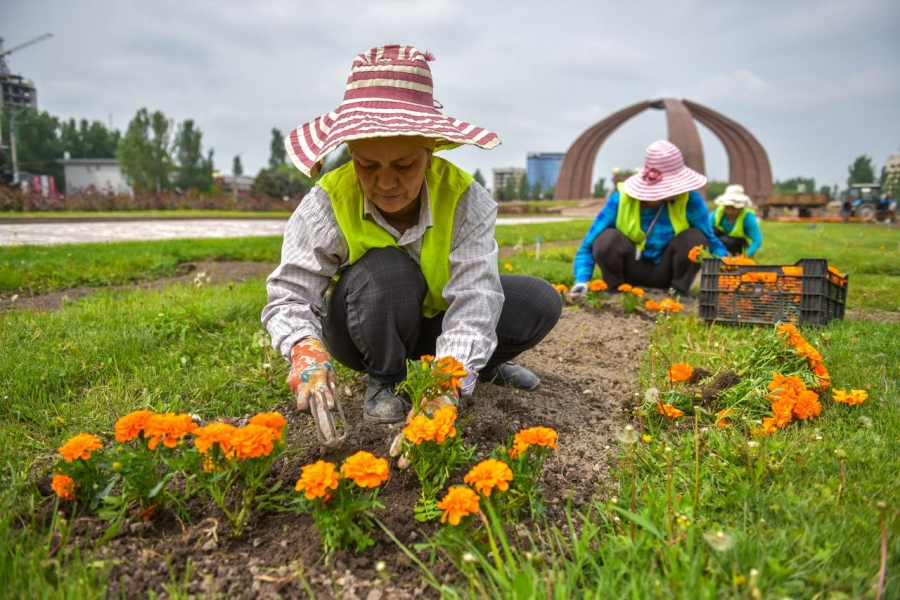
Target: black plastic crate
x,y
806,293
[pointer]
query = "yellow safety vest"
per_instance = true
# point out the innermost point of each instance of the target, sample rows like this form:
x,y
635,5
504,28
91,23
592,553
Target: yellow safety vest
x,y
738,230
446,184
628,217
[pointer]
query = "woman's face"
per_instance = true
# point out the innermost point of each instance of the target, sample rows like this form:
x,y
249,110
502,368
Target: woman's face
x,y
391,175
732,212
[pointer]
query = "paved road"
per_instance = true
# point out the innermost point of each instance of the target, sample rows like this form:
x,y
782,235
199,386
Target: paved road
x,y
162,229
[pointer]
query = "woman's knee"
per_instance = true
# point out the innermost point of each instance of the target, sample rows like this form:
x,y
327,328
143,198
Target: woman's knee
x,y
530,302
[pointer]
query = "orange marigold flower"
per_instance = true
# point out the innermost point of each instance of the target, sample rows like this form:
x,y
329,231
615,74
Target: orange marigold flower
x,y
807,405
452,367
419,429
694,253
738,260
365,469
131,425
214,433
64,487
639,292
272,420
782,386
169,427
489,474
812,355
669,410
317,479
854,397
783,408
822,375
625,287
790,333
443,420
597,285
533,436
681,372
459,502
769,426
561,288
427,359
253,441
721,418
80,446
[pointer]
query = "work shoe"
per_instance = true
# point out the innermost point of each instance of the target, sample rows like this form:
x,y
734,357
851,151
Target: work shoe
x,y
510,374
684,297
382,404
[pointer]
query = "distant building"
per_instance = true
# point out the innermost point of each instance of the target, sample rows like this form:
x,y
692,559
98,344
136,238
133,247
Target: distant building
x,y
100,174
502,175
543,168
892,173
238,185
18,92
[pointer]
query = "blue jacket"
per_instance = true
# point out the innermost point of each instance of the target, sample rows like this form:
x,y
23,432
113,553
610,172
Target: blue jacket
x,y
659,238
751,229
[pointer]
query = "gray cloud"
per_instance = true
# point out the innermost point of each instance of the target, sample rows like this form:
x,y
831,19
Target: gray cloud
x,y
817,81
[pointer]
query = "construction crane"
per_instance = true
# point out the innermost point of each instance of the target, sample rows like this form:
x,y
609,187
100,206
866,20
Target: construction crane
x,y
4,69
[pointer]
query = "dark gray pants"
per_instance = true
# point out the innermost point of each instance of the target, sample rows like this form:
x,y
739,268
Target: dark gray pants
x,y
734,245
614,254
375,323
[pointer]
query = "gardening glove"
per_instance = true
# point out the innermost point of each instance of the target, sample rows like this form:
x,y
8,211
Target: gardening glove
x,y
428,407
578,290
311,374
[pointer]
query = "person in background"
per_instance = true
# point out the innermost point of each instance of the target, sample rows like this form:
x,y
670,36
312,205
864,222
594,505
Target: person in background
x,y
644,233
735,223
409,239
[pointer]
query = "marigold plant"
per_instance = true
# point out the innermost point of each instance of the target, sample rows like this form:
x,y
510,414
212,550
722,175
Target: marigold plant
x,y
459,502
561,288
82,474
681,372
851,398
597,285
341,500
669,411
489,474
525,455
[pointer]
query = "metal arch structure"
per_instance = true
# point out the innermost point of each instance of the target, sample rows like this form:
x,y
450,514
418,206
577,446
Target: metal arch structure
x,y
748,163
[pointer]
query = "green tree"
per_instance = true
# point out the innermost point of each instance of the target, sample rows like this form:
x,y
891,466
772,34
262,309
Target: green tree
x,y
524,192
600,190
38,147
88,139
861,171
143,153
236,167
284,182
194,171
714,189
477,176
277,152
509,189
804,185
536,191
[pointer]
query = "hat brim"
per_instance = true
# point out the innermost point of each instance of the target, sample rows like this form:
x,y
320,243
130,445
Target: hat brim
x,y
684,180
308,144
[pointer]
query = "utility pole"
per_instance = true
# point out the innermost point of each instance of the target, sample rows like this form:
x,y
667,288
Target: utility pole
x,y
12,145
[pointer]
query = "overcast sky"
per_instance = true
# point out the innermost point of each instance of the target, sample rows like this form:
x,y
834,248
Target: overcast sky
x,y
817,82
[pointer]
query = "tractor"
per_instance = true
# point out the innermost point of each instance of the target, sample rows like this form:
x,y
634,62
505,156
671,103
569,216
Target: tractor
x,y
869,203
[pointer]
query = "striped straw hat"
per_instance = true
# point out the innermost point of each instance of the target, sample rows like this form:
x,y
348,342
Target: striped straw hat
x,y
664,174
389,93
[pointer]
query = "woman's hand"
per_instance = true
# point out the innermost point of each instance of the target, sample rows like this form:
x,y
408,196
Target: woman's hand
x,y
311,374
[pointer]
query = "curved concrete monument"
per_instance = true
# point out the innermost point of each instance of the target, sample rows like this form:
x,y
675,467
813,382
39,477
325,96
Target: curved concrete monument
x,y
748,163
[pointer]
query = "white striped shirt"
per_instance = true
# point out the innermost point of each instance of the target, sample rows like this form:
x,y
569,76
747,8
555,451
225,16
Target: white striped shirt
x,y
315,250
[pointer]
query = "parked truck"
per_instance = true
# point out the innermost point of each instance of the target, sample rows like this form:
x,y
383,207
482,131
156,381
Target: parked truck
x,y
804,203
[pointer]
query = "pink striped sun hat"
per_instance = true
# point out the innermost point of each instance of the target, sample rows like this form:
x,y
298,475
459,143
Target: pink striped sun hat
x,y
389,93
664,174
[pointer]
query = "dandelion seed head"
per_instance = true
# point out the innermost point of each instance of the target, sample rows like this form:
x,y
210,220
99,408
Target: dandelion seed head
x,y
864,422
651,394
719,541
468,557
380,566
627,435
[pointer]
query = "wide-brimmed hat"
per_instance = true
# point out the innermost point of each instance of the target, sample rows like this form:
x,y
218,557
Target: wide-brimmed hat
x,y
664,174
389,93
734,196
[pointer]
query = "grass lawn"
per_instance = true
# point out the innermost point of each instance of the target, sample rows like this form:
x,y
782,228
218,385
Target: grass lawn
x,y
809,511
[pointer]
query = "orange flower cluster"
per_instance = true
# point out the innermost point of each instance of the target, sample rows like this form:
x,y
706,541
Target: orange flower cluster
x,y
854,397
561,288
721,418
664,305
436,428
254,440
365,469
64,487
792,336
317,480
80,446
452,368
489,474
669,411
459,502
790,399
626,288
131,425
694,253
738,260
759,277
681,372
533,436
167,427
597,285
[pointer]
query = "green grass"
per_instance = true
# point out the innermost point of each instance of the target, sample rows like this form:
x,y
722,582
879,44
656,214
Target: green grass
x,y
804,511
175,214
